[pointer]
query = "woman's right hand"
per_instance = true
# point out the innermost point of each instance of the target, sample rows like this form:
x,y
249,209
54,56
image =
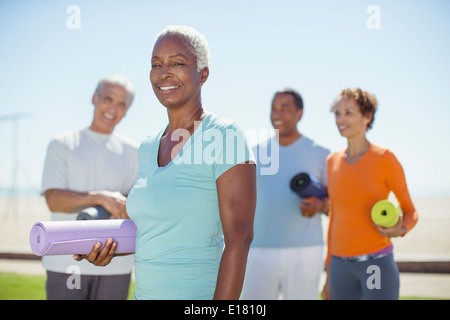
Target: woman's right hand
x,y
326,293
101,258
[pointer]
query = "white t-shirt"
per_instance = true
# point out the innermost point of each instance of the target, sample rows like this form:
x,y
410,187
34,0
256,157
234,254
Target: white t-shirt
x,y
83,161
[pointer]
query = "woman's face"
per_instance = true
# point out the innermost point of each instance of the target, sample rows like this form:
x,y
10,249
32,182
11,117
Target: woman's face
x,y
349,119
174,76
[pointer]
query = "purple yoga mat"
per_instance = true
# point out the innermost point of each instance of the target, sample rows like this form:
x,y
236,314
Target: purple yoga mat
x,y
79,236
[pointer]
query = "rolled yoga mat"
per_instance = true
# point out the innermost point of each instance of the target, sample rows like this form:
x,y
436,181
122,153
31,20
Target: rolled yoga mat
x,y
305,186
93,213
385,214
79,237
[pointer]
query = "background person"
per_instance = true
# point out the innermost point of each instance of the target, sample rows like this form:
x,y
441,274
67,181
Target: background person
x,y
286,256
185,211
358,177
90,167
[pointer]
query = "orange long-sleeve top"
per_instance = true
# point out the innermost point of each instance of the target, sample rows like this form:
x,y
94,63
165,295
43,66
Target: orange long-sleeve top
x,y
353,190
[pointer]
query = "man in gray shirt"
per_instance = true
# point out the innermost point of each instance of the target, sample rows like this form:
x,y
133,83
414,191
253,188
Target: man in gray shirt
x,y
286,255
91,167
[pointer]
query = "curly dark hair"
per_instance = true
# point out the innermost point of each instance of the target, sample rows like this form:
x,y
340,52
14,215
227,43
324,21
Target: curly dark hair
x,y
366,102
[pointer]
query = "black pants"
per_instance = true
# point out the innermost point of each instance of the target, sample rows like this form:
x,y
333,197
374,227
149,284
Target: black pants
x,y
63,286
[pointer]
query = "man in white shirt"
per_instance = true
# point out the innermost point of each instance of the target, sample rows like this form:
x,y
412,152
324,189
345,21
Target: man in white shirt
x,y
86,168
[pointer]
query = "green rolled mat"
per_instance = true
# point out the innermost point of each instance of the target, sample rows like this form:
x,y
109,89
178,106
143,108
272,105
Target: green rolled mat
x,y
385,214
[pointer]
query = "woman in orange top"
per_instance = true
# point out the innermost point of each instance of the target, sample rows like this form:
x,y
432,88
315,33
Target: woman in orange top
x,y
360,263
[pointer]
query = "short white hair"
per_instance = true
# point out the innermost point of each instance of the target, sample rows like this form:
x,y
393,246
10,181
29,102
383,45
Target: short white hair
x,y
196,42
120,80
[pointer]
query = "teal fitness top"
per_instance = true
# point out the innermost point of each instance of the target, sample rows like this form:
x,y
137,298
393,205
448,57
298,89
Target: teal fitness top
x,y
179,240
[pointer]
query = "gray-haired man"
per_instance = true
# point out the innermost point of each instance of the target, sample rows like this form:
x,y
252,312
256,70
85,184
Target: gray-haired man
x,y
91,167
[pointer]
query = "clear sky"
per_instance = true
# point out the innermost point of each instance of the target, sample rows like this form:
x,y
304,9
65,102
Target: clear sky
x,y
48,72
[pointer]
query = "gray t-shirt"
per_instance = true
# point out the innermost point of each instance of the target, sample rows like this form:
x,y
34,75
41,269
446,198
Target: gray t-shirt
x,y
85,161
278,219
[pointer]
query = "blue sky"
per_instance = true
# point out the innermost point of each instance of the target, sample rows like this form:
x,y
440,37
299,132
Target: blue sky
x,y
49,72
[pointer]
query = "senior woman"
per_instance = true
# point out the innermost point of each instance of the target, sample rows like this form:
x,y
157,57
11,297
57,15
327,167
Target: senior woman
x,y
358,177
196,186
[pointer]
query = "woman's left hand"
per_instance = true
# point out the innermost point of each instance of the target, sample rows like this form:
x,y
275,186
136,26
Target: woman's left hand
x,y
395,231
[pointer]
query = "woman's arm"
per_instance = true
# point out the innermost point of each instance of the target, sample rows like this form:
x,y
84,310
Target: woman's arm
x,y
236,190
326,294
396,181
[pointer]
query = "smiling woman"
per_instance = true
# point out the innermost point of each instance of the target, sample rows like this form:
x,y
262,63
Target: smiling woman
x,y
194,219
174,75
358,177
